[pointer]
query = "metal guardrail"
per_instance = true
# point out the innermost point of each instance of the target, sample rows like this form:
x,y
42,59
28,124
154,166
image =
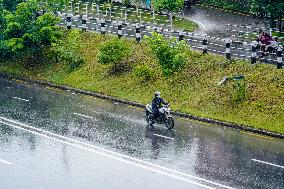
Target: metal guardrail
x,y
94,21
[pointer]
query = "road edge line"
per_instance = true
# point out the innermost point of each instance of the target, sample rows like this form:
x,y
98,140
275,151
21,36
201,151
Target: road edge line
x,y
111,154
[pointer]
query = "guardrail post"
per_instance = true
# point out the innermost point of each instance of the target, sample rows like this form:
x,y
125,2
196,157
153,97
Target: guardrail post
x,y
159,30
228,48
205,46
84,23
119,30
68,21
180,35
138,32
253,51
279,57
103,26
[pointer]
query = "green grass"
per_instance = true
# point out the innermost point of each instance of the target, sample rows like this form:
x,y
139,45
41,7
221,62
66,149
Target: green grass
x,y
194,90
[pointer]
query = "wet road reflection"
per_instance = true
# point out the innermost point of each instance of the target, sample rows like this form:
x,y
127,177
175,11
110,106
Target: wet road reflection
x,y
214,22
210,152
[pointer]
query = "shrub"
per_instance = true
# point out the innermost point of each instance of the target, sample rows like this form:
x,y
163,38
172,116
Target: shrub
x,y
169,5
69,51
144,72
171,54
113,52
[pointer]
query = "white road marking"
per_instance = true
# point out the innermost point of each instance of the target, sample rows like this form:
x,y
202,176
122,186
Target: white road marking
x,y
21,99
113,155
264,162
6,162
164,136
83,115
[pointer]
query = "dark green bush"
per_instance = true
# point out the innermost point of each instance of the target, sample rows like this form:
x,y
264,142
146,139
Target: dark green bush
x,y
68,51
171,54
144,72
113,52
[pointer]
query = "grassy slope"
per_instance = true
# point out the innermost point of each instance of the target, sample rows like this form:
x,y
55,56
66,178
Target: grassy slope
x,y
193,91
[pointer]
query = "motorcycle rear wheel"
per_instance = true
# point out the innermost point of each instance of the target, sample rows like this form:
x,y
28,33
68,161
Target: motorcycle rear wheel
x,y
170,123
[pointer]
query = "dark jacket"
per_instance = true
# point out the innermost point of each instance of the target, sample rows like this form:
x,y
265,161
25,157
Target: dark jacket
x,y
157,103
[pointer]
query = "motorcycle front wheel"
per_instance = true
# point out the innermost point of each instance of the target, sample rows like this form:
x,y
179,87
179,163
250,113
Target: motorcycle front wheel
x,y
170,123
149,119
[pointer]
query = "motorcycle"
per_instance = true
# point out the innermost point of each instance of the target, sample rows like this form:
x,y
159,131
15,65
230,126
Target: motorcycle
x,y
164,118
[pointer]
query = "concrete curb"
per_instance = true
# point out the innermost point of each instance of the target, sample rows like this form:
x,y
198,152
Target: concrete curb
x,y
185,115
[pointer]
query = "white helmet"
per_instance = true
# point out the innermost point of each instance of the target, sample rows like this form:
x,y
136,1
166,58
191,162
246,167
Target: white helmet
x,y
157,94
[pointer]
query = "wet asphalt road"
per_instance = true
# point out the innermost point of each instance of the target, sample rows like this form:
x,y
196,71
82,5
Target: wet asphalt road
x,y
56,139
215,22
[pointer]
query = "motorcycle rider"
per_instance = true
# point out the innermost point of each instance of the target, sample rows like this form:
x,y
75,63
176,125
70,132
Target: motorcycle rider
x,y
157,103
265,41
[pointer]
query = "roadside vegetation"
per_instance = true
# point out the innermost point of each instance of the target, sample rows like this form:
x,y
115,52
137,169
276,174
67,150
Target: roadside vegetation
x,y
261,8
192,87
125,69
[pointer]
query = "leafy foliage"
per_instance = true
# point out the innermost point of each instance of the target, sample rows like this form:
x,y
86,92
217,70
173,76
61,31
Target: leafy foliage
x,y
171,54
2,20
259,7
113,52
27,32
169,5
68,51
11,5
145,72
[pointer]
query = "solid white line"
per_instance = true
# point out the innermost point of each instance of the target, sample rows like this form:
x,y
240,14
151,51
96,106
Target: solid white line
x,y
164,136
268,163
6,162
105,150
83,115
21,99
112,157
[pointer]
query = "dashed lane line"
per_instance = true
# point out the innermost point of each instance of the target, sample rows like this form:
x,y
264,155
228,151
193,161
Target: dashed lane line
x,y
22,99
6,162
82,115
267,163
162,136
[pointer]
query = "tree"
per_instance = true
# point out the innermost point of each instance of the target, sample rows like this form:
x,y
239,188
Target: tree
x,y
28,32
3,25
68,50
168,5
10,5
2,20
113,52
170,54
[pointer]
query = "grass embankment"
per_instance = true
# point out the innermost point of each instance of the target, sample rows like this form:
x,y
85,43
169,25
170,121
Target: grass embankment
x,y
194,90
